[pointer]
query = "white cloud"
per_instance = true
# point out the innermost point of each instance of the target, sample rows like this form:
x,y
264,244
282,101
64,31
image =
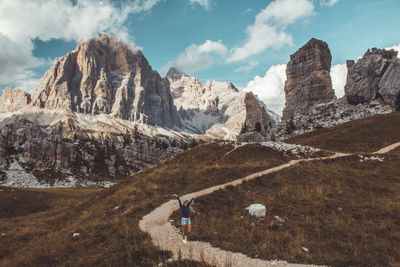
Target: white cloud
x,y
328,2
248,67
203,3
270,88
339,76
268,30
23,21
197,57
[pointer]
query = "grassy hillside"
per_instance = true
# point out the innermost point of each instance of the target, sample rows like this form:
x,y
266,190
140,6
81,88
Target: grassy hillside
x,y
344,211
364,135
108,221
395,152
20,202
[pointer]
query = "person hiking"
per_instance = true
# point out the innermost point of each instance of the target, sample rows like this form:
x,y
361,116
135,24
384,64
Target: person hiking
x,y
185,221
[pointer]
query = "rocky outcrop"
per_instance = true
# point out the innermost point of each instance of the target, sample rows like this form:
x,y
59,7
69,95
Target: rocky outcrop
x,y
216,108
175,75
256,116
104,75
365,78
389,85
308,79
329,114
65,150
14,99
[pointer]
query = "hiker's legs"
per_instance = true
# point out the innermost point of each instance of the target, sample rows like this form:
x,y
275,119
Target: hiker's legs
x,y
183,231
189,228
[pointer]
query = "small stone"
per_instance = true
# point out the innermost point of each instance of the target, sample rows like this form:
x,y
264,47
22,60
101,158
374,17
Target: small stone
x,y
305,249
281,220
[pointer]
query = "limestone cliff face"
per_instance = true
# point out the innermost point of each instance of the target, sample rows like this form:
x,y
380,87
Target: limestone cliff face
x,y
376,74
308,78
105,76
256,114
389,85
14,99
216,108
53,146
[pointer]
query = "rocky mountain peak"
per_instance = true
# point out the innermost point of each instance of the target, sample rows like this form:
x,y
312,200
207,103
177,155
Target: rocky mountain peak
x,y
216,108
175,75
386,54
308,78
105,75
14,99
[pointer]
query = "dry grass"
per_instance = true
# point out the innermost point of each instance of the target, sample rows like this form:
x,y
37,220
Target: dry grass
x,y
19,202
395,152
364,135
346,212
108,221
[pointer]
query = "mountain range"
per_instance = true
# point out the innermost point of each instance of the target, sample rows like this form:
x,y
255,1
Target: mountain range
x,y
101,112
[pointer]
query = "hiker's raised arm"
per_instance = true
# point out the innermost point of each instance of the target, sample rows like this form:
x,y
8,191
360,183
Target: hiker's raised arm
x,y
190,202
179,201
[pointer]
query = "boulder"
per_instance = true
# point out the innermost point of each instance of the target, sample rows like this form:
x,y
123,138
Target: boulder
x,y
363,77
257,210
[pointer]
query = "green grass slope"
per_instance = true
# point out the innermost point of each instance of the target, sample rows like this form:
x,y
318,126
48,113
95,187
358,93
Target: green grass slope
x,y
364,135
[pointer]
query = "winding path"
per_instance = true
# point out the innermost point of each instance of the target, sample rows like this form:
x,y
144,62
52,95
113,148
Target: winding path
x,y
166,237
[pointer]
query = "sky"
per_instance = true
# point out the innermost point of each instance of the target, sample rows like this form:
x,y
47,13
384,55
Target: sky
x,y
244,42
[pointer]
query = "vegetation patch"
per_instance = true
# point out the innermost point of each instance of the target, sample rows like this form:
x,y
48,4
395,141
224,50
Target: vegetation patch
x,y
364,135
342,212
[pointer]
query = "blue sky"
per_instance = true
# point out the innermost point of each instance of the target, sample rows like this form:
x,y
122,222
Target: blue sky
x,y
226,40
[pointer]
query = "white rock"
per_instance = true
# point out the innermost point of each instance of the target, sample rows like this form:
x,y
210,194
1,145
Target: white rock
x,y
281,220
75,235
257,210
305,249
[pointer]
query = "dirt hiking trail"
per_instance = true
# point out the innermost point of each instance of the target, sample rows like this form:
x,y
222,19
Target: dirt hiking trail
x,y
166,237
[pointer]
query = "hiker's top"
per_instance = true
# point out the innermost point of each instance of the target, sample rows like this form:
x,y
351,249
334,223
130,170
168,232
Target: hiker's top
x,y
185,210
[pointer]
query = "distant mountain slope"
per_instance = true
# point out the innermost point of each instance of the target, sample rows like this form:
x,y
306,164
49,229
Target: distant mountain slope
x,y
217,108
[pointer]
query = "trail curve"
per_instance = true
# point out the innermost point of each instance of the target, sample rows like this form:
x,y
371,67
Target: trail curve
x,y
166,237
